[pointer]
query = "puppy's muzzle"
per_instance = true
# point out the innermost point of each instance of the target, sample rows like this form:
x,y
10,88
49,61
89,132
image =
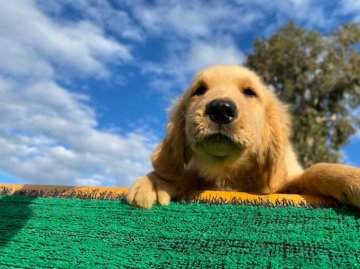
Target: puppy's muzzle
x,y
221,111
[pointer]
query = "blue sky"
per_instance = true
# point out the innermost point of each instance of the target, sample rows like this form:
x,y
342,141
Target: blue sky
x,y
84,85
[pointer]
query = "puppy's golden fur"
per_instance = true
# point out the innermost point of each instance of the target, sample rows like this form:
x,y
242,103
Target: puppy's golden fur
x,y
252,153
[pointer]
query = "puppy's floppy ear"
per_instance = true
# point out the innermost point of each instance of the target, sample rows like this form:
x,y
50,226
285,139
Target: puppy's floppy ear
x,y
276,140
171,155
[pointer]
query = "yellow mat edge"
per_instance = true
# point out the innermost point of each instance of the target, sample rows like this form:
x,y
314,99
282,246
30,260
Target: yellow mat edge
x,y
100,192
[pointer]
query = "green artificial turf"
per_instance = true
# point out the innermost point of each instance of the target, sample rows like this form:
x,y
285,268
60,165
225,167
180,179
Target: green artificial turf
x,y
75,233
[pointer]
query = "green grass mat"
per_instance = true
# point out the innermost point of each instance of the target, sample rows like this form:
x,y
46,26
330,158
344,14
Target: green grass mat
x,y
75,233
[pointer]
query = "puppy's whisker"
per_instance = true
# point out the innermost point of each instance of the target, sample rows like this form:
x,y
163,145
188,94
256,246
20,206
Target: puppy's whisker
x,y
178,125
186,116
183,118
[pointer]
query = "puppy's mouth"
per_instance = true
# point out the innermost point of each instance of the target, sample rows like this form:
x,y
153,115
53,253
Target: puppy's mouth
x,y
219,145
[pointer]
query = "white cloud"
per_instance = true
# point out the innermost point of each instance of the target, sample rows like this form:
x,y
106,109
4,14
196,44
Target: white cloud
x,y
101,13
197,19
180,66
350,7
48,135
196,34
203,54
201,33
194,19
31,44
305,12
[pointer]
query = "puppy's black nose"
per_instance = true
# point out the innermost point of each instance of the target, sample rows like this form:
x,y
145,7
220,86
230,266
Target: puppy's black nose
x,y
221,111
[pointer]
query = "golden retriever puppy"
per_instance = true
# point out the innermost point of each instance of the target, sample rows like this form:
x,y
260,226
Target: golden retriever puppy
x,y
229,132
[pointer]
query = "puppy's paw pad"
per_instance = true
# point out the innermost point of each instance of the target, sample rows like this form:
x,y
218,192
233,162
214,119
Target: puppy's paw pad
x,y
145,199
148,191
164,198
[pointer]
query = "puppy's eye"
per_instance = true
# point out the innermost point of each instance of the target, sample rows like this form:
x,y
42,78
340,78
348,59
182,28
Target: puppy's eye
x,y
200,90
249,92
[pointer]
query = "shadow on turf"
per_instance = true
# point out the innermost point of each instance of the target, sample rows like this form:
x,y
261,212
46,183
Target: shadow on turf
x,y
349,211
15,211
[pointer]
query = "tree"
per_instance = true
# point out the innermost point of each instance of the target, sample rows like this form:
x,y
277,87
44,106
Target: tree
x,y
319,77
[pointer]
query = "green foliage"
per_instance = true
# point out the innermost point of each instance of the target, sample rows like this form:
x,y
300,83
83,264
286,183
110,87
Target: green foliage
x,y
319,77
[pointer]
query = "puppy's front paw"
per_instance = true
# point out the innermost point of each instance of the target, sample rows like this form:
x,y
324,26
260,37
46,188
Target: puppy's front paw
x,y
350,194
337,180
149,190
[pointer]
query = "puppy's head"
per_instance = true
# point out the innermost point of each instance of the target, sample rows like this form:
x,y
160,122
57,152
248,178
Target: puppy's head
x,y
225,117
225,113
